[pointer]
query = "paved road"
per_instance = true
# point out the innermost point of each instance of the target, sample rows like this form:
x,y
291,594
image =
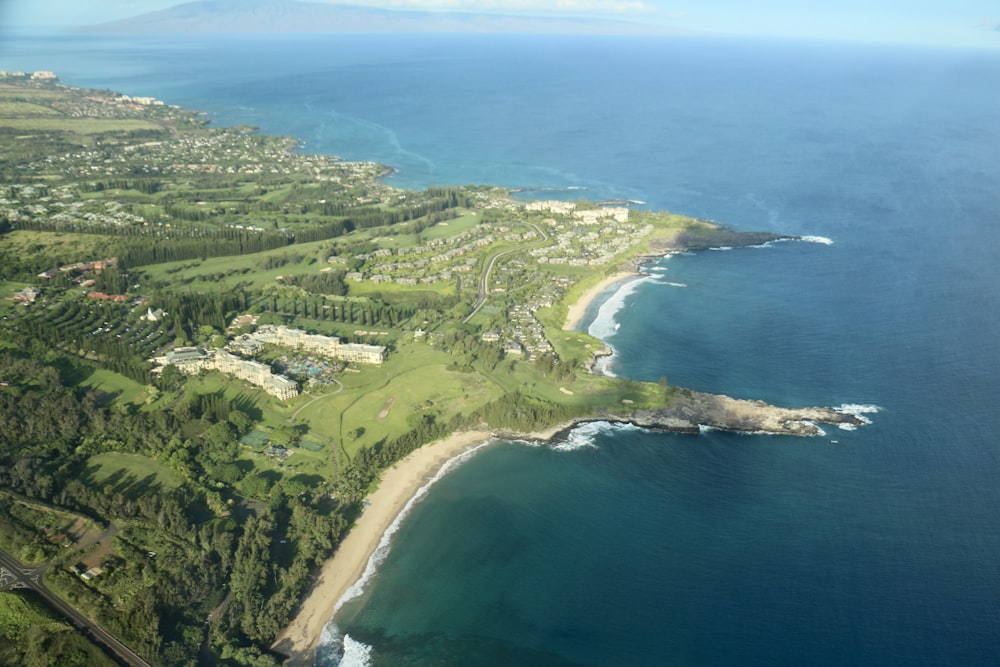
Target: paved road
x,y
484,280
22,576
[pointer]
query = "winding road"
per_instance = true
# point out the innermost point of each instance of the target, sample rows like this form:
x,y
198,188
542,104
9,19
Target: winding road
x,y
484,280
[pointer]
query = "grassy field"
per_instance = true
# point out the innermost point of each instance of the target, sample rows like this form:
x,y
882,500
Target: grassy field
x,y
123,389
443,230
84,126
25,109
131,471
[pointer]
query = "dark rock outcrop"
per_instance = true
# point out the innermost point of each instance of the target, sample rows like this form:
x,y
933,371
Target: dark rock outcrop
x,y
690,411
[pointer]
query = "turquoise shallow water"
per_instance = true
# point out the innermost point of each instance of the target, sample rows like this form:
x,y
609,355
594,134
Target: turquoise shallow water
x,y
871,547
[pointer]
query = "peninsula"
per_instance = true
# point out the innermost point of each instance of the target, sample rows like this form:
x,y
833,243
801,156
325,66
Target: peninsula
x,y
215,347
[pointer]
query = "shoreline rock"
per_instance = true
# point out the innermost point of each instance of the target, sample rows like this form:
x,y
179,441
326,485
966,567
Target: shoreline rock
x,y
691,412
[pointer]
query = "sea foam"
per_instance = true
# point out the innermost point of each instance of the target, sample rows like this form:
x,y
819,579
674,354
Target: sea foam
x,y
356,654
858,411
606,324
817,239
341,650
584,436
603,325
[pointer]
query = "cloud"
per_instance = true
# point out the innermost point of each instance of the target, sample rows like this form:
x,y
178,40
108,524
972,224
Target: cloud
x,y
603,7
989,24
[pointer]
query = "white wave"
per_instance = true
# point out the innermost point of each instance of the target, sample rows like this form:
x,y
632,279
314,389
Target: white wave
x,y
672,284
356,654
575,441
722,248
341,650
581,437
330,647
858,411
820,433
385,544
705,428
857,408
805,239
847,427
584,436
603,326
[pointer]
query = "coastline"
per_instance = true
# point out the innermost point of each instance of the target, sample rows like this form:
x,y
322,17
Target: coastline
x,y
578,310
398,486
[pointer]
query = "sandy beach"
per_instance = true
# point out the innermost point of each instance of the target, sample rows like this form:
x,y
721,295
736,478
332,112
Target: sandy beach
x,y
579,309
398,486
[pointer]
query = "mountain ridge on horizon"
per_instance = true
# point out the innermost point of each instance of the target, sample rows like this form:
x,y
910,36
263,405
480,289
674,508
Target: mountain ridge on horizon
x,y
293,16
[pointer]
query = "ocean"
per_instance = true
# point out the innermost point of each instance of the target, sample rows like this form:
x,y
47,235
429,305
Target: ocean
x,y
622,546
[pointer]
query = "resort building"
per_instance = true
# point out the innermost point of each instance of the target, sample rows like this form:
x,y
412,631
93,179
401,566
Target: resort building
x,y
190,360
324,346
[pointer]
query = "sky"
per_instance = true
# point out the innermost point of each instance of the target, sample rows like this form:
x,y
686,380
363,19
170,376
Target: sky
x,y
942,22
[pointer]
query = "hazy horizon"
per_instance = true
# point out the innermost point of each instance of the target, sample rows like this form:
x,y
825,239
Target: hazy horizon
x,y
973,23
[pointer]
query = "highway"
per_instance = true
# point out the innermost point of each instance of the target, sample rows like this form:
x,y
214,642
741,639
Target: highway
x,y
13,574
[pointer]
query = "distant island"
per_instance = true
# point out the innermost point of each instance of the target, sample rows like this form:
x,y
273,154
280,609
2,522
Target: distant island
x,y
214,347
272,16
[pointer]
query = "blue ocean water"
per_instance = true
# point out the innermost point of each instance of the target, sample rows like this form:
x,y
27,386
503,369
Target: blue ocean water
x,y
627,547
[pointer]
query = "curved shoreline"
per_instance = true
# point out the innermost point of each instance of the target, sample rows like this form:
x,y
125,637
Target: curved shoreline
x,y
398,486
578,310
